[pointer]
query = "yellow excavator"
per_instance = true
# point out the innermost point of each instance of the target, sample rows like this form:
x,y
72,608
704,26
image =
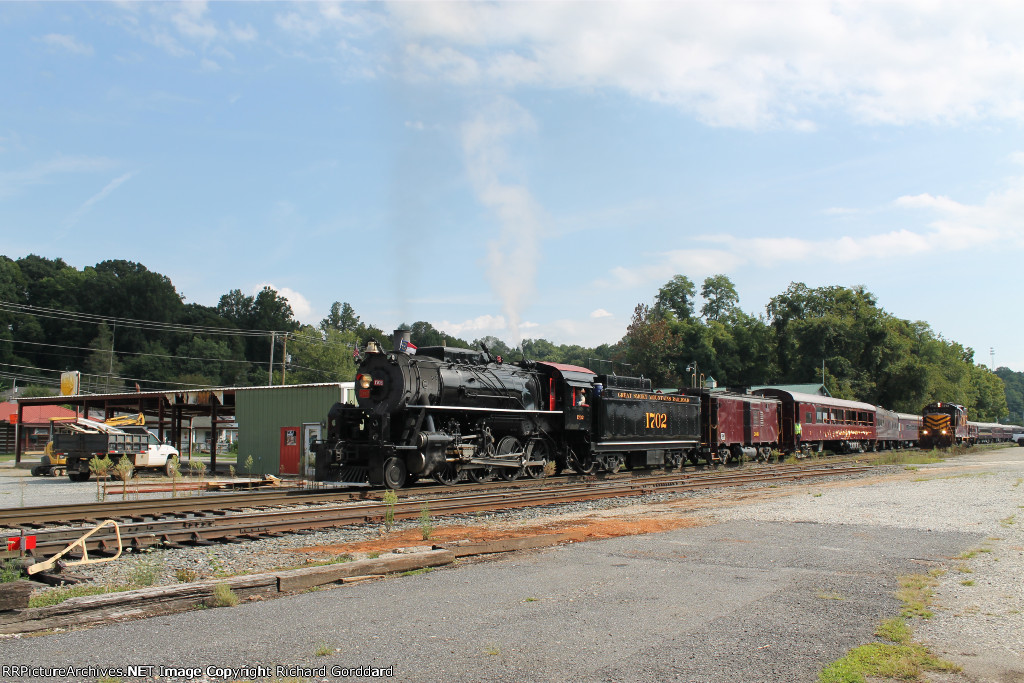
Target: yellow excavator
x,y
54,465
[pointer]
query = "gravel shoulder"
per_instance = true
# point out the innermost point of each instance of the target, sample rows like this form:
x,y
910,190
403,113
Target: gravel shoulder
x,y
978,619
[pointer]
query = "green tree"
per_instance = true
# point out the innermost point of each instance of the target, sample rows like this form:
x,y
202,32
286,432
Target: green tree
x,y
720,298
676,298
321,356
649,347
1014,383
342,318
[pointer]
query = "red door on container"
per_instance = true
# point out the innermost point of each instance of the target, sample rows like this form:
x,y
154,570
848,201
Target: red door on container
x,y
290,449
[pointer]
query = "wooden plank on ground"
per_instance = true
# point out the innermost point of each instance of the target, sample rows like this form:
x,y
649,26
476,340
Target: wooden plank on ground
x,y
301,579
504,545
14,595
137,603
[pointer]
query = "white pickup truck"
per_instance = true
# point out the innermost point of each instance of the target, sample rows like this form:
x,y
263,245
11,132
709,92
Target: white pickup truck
x,y
1019,438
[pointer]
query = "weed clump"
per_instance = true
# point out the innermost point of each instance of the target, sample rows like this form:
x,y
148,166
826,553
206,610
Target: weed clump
x,y
223,596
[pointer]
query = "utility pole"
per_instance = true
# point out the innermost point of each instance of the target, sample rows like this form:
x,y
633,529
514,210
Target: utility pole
x,y
270,377
284,361
110,369
992,355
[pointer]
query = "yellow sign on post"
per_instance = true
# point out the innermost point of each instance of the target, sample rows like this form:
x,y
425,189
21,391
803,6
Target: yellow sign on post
x,y
69,382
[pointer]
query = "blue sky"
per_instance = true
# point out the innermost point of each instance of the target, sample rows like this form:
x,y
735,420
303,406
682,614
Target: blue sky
x,y
527,169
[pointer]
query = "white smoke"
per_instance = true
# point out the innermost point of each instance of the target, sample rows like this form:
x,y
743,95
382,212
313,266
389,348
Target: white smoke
x,y
512,256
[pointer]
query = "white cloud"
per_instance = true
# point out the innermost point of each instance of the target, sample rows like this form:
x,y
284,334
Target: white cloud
x,y
481,326
745,64
243,34
191,22
955,227
98,197
39,173
600,313
69,43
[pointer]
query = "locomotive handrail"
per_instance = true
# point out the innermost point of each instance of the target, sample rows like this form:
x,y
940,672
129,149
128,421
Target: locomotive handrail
x,y
493,410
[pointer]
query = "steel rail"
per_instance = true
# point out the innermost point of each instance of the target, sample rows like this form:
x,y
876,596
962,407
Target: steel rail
x,y
210,528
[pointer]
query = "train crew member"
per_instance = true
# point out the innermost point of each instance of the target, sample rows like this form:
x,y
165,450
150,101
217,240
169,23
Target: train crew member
x,y
797,431
583,398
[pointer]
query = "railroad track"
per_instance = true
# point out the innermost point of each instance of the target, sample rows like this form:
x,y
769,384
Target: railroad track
x,y
223,525
39,517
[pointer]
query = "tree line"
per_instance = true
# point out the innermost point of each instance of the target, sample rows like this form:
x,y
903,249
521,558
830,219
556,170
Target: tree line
x,y
54,317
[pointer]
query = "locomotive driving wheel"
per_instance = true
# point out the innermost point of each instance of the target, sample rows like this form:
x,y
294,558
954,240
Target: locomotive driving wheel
x,y
538,452
507,445
447,475
394,473
479,475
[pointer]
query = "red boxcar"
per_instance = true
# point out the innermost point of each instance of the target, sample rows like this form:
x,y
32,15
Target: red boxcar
x,y
826,423
735,425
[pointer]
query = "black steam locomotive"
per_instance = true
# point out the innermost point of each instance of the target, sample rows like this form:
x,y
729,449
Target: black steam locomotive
x,y
452,413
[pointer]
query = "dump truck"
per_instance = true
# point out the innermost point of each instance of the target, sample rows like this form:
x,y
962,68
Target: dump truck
x,y
74,443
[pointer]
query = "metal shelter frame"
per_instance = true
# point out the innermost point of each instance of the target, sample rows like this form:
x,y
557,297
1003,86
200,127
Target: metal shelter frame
x,y
170,408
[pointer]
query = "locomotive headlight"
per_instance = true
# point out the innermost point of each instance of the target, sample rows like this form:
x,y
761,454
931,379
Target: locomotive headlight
x,y
365,381
943,432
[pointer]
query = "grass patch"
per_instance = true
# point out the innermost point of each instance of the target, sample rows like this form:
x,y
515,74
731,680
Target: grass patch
x,y
373,555
145,572
916,593
530,600
909,458
492,650
390,500
59,595
1009,521
186,575
884,660
426,526
10,571
966,555
421,570
894,630
967,582
323,650
964,569
830,596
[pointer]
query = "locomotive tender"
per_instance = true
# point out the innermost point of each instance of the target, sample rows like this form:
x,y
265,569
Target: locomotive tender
x,y
447,412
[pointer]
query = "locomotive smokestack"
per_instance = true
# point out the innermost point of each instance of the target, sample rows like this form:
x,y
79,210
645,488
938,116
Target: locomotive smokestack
x,y
401,338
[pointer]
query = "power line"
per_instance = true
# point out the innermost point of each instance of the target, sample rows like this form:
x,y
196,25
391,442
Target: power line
x,y
91,318
111,377
130,353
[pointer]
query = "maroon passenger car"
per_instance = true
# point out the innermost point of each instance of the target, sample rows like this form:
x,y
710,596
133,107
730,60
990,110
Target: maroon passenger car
x,y
826,423
735,425
910,430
